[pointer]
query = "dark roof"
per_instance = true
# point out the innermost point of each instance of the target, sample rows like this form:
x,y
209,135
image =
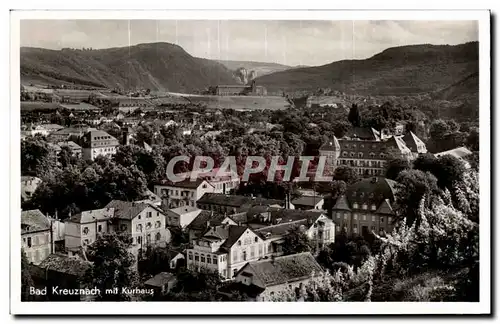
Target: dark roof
x,y
283,269
280,229
160,280
333,145
64,264
234,232
307,201
200,221
371,191
187,183
364,133
128,209
412,142
236,201
341,203
34,221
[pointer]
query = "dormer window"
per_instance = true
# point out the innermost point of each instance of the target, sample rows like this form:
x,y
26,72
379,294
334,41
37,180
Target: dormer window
x,y
365,206
360,155
382,155
344,153
372,155
351,154
354,146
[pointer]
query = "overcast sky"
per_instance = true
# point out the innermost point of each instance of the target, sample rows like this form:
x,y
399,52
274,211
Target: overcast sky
x,y
286,42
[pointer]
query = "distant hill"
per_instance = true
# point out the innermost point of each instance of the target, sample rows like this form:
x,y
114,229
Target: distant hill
x,y
401,70
157,66
260,68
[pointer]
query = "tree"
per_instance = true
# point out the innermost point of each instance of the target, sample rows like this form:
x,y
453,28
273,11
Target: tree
x,y
296,241
36,157
113,266
448,170
66,157
345,173
412,187
473,139
395,167
354,116
26,279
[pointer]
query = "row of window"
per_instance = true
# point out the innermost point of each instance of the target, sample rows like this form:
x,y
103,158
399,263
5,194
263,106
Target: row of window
x,y
355,217
209,259
149,215
243,255
219,208
36,240
139,240
361,145
172,192
362,163
148,226
101,138
355,229
361,154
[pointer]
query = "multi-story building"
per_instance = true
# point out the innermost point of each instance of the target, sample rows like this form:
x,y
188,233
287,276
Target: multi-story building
x,y
223,182
266,278
97,142
415,144
232,204
225,249
367,157
144,222
182,193
75,149
182,216
366,206
36,235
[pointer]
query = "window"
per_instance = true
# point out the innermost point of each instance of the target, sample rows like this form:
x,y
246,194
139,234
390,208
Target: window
x,y
139,227
214,259
209,259
99,228
372,155
190,256
196,257
351,154
260,249
256,239
157,214
373,218
224,273
139,216
148,238
203,258
360,155
389,219
239,242
158,236
344,153
382,155
381,219
374,207
252,252
86,242
345,215
157,224
355,216
149,215
338,215
365,206
235,256
85,230
355,206
244,255
29,241
148,225
234,272
364,217
139,239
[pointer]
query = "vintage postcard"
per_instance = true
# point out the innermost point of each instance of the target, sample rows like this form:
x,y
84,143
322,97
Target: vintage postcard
x,y
300,161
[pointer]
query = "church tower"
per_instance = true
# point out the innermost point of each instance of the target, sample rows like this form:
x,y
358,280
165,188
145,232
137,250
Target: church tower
x,y
332,152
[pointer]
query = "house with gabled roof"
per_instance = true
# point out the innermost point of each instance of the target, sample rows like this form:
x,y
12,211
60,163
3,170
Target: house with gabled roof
x,y
143,221
268,277
415,144
36,236
182,193
367,206
225,249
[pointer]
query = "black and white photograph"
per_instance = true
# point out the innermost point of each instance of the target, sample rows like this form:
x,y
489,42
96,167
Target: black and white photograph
x,y
289,161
